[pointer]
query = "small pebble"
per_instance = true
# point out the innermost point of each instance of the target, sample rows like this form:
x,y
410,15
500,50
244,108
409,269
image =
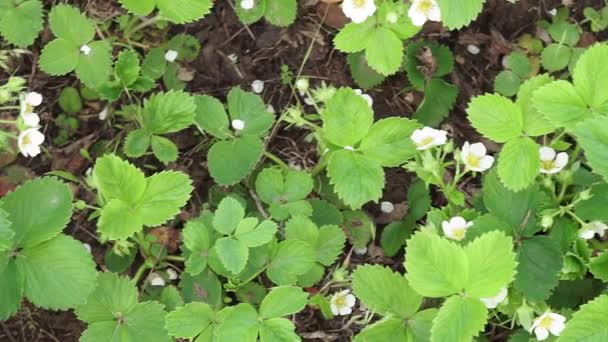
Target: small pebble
x,y
473,49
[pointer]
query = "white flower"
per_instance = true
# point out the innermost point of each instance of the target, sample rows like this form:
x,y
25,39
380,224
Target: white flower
x,y
493,302
86,50
302,85
31,119
28,102
358,10
171,56
247,4
592,228
257,86
171,274
428,137
423,10
33,98
473,49
360,250
387,207
548,322
475,158
342,303
238,125
29,142
456,228
550,163
366,97
156,280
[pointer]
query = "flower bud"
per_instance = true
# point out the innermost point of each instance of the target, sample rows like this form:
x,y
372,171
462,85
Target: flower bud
x,y
15,84
547,221
585,195
5,96
339,274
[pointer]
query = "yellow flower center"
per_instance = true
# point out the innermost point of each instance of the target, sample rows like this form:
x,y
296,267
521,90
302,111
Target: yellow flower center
x,y
548,165
425,6
340,301
459,233
26,139
359,3
28,108
426,141
473,160
546,322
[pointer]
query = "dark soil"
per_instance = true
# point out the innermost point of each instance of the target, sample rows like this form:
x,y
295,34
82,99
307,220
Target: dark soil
x,y
262,49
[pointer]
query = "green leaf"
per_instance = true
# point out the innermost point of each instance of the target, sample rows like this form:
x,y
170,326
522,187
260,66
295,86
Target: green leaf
x,y
164,149
507,83
387,329
347,118
139,7
519,63
204,287
593,138
38,210
168,112
302,228
166,193
535,123
68,23
7,235
422,323
439,99
228,215
184,11
189,320
119,220
59,57
95,68
292,259
11,287
539,264
456,14
596,208
357,179
274,187
518,163
435,267
211,116
355,37
117,178
154,64
496,117
137,143
388,141
101,307
394,236
491,264
232,253
384,51
283,301
362,73
20,25
250,16
127,67
231,161
278,330
70,101
59,273
555,57
459,320
589,323
420,55
329,244
281,12
239,324
563,32
325,213
591,77
261,235
561,104
385,292
249,108
197,239
599,266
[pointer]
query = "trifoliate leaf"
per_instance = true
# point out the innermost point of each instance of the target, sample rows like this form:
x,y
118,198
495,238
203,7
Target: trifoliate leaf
x,y
385,292
491,264
387,329
388,141
119,220
228,215
119,179
518,163
95,68
11,287
459,319
38,210
58,274
59,57
137,143
539,264
555,57
232,160
20,25
456,14
593,138
329,244
283,301
127,67
362,73
357,179
292,259
561,104
166,193
496,117
169,112
535,123
211,116
589,323
435,267
439,99
249,108
347,118
190,320
101,307
68,23
278,329
281,12
384,51
591,77
241,323
275,188
164,149
355,37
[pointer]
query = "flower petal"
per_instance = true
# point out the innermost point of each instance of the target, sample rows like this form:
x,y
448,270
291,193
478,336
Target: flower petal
x,y
541,333
561,160
547,153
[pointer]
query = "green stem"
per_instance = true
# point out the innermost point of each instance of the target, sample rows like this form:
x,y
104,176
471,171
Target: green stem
x,y
255,275
175,258
7,134
9,107
144,24
140,272
319,167
276,159
10,122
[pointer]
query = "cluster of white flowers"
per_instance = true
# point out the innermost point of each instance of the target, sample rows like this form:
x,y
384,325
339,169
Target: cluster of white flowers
x,y
342,303
30,139
552,162
456,228
359,10
548,322
589,230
